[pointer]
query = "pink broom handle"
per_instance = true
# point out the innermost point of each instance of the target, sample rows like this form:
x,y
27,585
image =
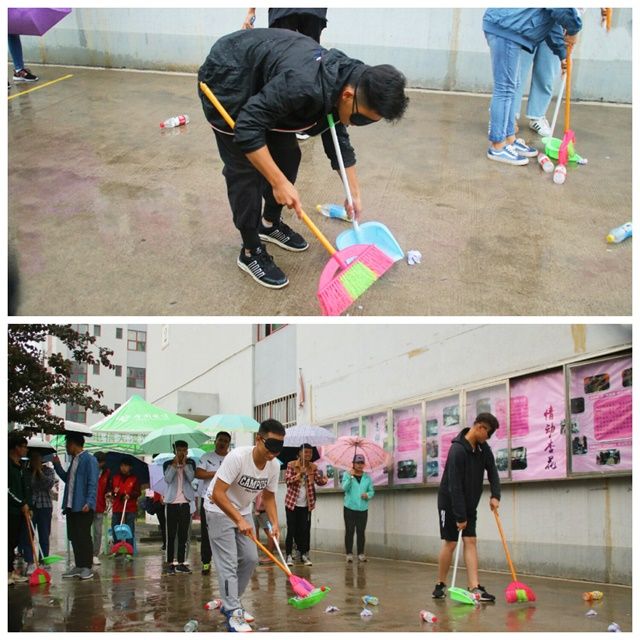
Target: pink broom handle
x,y
305,218
504,544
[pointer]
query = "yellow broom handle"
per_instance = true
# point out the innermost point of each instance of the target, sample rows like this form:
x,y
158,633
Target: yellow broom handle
x,y
305,218
567,103
504,544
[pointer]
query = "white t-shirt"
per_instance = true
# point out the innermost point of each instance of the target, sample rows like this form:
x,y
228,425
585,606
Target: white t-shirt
x,y
245,480
209,462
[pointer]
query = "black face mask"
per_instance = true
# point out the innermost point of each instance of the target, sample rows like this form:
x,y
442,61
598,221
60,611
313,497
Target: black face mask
x,y
273,445
357,119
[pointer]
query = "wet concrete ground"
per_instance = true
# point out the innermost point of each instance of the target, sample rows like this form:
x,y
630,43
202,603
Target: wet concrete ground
x,y
110,216
134,596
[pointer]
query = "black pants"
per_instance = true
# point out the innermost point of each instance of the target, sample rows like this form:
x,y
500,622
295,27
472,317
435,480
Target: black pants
x,y
246,186
354,521
162,521
178,517
79,533
205,545
298,529
306,24
15,522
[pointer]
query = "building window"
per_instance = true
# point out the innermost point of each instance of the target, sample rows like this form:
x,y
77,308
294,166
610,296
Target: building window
x,y
96,368
119,333
135,377
136,340
282,409
80,328
265,330
118,371
78,373
97,330
117,405
76,413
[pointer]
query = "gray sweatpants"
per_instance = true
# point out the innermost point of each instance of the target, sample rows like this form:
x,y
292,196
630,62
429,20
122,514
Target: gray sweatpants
x,y
97,532
235,557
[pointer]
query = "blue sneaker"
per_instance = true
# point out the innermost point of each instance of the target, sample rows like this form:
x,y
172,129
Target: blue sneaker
x,y
236,621
507,154
524,149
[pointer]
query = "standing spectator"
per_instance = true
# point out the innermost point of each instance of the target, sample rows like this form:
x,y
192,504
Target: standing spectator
x,y
245,472
79,502
507,32
125,487
42,479
358,490
205,472
162,519
310,22
458,498
301,477
20,73
19,498
104,488
178,474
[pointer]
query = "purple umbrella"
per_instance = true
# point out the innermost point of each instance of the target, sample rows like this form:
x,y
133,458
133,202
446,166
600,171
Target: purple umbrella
x,y
34,22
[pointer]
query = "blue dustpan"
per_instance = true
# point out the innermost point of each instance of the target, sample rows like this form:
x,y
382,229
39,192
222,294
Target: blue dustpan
x,y
370,232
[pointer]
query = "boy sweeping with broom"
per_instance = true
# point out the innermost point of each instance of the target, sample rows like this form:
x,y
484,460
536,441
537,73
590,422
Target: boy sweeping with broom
x,y
458,498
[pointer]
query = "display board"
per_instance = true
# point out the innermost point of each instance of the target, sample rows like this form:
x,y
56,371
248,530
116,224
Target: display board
x,y
325,466
442,425
407,438
375,428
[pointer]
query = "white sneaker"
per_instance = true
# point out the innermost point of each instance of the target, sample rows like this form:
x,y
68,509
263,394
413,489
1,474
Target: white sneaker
x,y
289,561
236,621
349,557
306,560
96,560
18,579
362,557
541,126
249,617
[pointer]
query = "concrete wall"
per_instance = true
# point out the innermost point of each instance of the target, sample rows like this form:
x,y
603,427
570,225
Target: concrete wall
x,y
435,48
275,371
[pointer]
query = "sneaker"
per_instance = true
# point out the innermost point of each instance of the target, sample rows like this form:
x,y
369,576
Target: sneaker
x,y
19,579
507,154
302,136
306,560
85,574
524,149
24,75
362,557
236,621
261,267
349,557
206,569
284,236
182,568
439,591
249,617
481,593
72,573
96,560
170,570
31,568
541,126
290,560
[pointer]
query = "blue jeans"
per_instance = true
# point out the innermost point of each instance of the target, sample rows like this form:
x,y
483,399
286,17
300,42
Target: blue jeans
x,y
546,66
42,524
505,64
15,49
130,519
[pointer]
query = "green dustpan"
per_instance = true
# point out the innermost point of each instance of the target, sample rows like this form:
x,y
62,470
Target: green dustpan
x,y
552,148
457,593
52,559
313,598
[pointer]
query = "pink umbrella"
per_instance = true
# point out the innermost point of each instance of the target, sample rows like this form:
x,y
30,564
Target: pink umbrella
x,y
34,22
341,453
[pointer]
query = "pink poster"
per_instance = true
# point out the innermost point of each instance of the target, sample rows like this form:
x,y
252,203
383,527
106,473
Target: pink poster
x,y
325,466
538,438
601,416
376,429
407,431
492,400
443,424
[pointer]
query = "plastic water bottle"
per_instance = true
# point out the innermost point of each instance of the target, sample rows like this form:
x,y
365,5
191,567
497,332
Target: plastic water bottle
x,y
216,603
427,616
176,121
370,600
620,233
333,211
545,163
191,626
560,174
614,627
592,595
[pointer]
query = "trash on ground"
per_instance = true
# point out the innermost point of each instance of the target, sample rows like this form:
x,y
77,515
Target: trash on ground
x,y
592,595
414,257
331,609
591,612
366,613
427,616
370,600
176,121
333,211
216,603
614,627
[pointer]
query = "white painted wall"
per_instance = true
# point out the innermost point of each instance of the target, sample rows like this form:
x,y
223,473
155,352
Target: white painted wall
x,y
275,372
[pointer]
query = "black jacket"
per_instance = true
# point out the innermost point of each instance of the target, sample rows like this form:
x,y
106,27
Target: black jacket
x,y
274,79
461,484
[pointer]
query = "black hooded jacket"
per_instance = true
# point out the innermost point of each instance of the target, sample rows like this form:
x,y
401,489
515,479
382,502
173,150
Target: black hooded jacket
x,y
278,80
461,484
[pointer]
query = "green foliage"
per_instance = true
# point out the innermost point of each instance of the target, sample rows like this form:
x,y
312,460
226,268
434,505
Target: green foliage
x,y
36,382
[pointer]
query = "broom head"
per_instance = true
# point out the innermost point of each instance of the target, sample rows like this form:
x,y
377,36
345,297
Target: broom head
x,y
519,592
299,587
312,598
39,576
567,150
339,287
122,548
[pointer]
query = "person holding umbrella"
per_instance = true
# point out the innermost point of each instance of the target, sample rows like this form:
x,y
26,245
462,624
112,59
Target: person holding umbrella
x,y
358,491
301,477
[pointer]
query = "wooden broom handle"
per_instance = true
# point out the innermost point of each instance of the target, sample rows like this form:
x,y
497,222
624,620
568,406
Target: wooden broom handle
x,y
567,103
33,544
504,544
270,555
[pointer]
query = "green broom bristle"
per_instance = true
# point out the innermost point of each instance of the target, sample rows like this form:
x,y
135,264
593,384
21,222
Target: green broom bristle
x,y
357,279
521,594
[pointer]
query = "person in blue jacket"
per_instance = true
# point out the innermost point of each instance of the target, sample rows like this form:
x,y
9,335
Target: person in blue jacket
x,y
79,503
358,490
508,31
